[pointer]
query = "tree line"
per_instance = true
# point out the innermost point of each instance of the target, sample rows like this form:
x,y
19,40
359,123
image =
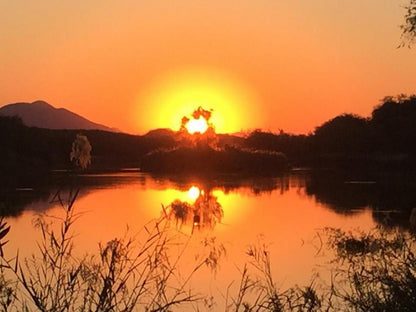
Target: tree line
x,y
386,138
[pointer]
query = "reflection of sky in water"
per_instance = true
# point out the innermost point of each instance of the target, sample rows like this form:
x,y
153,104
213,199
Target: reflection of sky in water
x,y
286,211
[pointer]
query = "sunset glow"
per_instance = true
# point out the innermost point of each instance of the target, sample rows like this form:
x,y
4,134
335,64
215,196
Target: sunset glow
x,y
180,92
142,65
207,155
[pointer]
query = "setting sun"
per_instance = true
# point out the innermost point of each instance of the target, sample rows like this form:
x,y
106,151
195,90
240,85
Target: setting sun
x,y
193,192
179,92
197,125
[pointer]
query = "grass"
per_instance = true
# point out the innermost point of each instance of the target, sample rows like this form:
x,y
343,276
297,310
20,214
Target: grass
x,y
375,271
206,160
125,275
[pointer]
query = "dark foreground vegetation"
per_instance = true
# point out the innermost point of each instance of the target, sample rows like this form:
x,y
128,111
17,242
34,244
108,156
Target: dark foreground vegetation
x,y
369,272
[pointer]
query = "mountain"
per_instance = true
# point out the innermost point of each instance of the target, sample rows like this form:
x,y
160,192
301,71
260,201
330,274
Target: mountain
x,y
43,115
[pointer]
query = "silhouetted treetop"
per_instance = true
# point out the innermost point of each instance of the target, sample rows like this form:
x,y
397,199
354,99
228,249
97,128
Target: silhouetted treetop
x,y
341,123
345,133
394,124
409,26
401,106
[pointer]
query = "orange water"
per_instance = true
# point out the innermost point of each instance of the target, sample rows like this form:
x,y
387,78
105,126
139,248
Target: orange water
x,y
283,217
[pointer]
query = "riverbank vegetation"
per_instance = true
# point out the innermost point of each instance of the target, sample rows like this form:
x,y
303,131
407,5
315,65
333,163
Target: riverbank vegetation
x,y
208,160
384,141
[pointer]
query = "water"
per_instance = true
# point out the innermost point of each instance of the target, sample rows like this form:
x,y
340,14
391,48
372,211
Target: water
x,y
286,213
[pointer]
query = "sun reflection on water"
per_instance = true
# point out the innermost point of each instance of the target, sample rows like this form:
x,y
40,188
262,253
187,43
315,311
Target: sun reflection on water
x,y
198,208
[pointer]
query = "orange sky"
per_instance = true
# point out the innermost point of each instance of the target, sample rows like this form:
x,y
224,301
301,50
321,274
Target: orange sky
x,y
270,64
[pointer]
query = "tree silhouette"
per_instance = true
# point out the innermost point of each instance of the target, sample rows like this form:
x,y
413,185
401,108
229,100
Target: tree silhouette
x,y
409,27
81,149
393,124
346,134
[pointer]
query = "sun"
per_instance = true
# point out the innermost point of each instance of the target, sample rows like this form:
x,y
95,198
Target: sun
x,y
199,125
194,192
174,94
199,122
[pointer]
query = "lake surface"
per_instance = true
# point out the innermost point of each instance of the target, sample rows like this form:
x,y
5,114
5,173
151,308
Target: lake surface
x,y
285,213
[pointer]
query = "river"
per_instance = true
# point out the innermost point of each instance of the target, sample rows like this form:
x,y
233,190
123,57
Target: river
x,y
286,214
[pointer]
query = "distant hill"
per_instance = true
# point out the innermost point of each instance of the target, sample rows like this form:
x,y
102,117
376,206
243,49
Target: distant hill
x,y
160,133
168,134
43,115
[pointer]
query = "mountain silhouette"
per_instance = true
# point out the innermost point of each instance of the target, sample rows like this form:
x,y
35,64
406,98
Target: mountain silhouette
x,y
43,115
160,133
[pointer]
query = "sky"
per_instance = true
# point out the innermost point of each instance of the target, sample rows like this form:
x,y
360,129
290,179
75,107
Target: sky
x,y
138,65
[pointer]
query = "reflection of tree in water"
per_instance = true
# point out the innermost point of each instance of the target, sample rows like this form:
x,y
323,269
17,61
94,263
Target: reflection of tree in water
x,y
14,202
391,198
252,185
205,212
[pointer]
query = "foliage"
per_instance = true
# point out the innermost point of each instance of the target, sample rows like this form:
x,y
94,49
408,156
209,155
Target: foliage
x,y
125,276
208,137
27,149
409,26
386,141
387,138
205,159
258,291
376,271
345,133
293,146
81,151
393,124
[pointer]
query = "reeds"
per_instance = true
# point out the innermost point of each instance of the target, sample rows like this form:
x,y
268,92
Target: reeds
x,y
258,291
126,275
375,271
